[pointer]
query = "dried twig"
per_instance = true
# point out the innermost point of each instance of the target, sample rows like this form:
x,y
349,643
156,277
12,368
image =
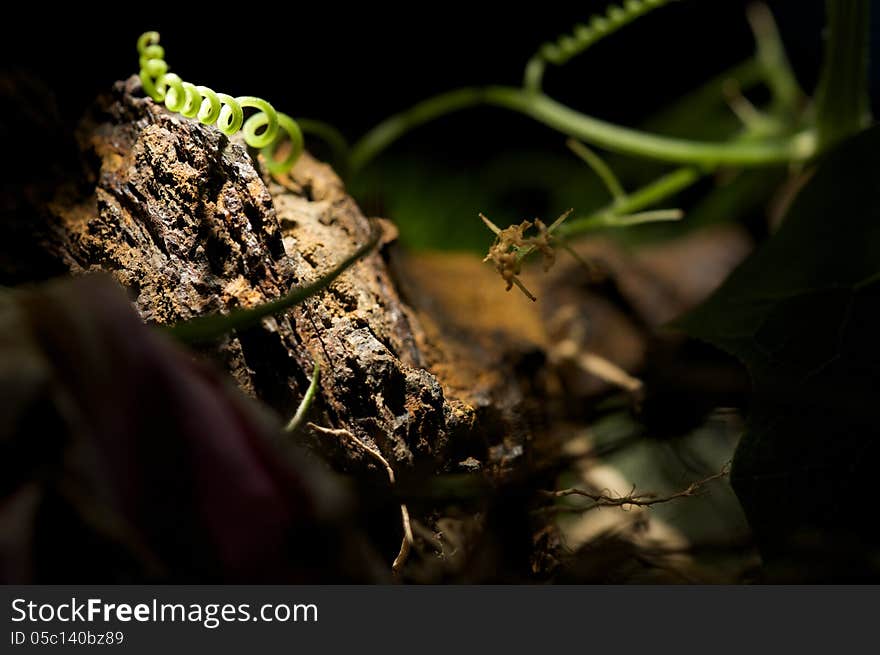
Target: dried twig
x,y
605,499
597,366
407,542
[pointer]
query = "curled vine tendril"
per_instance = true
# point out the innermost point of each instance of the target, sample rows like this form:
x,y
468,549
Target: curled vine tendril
x,y
585,35
265,129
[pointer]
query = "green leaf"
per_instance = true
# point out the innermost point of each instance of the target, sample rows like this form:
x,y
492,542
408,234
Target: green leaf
x,y
803,314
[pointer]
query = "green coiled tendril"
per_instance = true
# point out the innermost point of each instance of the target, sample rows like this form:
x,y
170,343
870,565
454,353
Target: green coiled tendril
x,y
264,130
585,35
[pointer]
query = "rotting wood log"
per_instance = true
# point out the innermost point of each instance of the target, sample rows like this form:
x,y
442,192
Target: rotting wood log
x,y
188,221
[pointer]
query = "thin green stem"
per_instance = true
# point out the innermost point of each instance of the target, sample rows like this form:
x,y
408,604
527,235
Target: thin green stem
x,y
599,167
331,136
771,56
660,189
644,198
706,98
842,106
394,127
640,218
300,417
600,133
757,123
534,74
209,328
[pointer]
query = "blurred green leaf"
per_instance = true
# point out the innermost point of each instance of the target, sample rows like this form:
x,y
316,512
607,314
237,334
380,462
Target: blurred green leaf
x,y
802,314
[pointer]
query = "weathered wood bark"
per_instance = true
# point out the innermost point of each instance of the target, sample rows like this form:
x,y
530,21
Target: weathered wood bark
x,y
184,218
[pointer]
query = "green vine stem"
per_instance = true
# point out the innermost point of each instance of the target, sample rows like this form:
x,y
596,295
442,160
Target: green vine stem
x,y
771,147
208,328
842,96
599,167
616,138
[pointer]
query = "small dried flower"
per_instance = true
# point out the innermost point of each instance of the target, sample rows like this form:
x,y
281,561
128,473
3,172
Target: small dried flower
x,y
512,245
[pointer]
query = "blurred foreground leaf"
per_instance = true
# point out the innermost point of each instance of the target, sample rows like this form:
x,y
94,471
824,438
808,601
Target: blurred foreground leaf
x,y
802,314
123,459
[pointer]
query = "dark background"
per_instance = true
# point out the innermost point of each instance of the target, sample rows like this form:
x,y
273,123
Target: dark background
x,y
354,65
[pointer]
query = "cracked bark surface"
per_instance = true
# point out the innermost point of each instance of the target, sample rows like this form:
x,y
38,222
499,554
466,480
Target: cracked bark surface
x,y
186,220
